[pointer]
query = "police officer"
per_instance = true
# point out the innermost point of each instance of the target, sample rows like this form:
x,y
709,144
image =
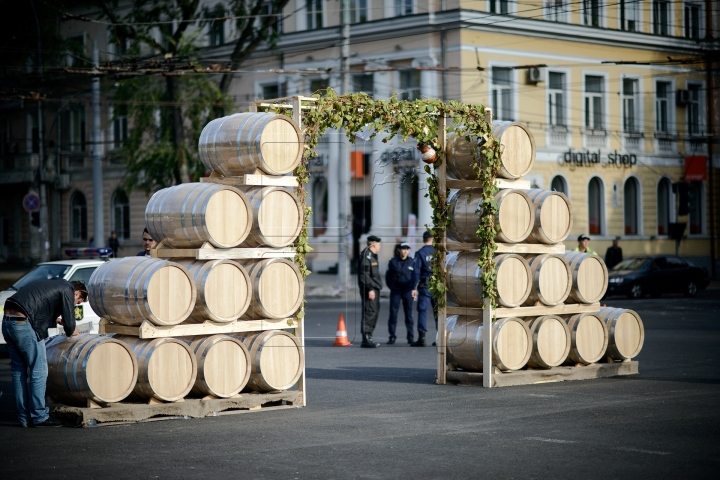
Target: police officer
x,y
370,284
423,259
401,277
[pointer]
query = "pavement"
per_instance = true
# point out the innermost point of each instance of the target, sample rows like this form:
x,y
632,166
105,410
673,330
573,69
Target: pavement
x,y
378,414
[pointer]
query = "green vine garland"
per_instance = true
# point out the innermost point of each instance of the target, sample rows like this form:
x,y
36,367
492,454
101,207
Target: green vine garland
x,y
417,119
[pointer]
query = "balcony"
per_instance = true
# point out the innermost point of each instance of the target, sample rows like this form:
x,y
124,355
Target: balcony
x,y
633,142
595,138
558,136
696,145
665,143
20,163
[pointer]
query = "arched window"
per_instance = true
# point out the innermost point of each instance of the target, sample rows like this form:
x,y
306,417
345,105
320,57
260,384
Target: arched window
x,y
596,206
409,192
663,206
320,206
696,203
631,204
121,215
558,184
78,216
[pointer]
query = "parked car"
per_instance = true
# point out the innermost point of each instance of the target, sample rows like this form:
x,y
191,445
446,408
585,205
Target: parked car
x,y
87,320
655,275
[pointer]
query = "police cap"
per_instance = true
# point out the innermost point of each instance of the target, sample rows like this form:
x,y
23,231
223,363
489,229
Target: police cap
x,y
373,238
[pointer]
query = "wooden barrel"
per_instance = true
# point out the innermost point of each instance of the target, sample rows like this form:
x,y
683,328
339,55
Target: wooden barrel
x,y
588,338
277,217
167,367
190,214
277,360
626,333
223,365
553,216
515,215
510,338
240,143
590,277
551,279
223,290
465,279
277,288
550,341
517,157
90,367
131,290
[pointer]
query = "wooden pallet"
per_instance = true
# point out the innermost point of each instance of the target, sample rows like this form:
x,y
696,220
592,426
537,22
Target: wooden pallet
x,y
208,252
555,374
127,413
563,309
500,183
254,180
148,330
521,248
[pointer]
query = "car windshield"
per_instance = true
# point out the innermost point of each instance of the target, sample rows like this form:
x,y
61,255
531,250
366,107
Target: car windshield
x,y
633,264
42,272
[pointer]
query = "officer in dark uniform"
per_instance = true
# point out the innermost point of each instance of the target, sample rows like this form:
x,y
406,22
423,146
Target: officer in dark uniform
x,y
423,258
401,277
370,284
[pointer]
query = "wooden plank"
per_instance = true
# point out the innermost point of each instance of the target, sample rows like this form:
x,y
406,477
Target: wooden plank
x,y
565,309
442,314
224,253
148,330
254,180
521,248
550,375
487,335
301,386
499,182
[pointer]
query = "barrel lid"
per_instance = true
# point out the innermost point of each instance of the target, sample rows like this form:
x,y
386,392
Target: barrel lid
x,y
512,343
170,294
552,340
280,361
592,278
279,288
171,370
226,367
111,371
556,217
227,290
279,216
518,150
228,217
281,145
515,216
554,281
513,282
629,334
591,337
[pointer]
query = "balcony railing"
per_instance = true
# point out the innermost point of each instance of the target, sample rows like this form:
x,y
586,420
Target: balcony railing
x,y
20,162
595,139
665,143
696,145
633,141
559,137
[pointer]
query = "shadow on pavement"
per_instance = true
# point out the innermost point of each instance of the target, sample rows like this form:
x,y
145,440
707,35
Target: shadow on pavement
x,y
374,374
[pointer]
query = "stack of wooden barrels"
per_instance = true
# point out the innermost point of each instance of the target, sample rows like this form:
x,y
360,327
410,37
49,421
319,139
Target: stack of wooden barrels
x,y
182,291
528,219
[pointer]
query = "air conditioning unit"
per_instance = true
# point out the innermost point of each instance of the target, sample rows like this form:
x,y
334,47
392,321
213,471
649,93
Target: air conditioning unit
x,y
682,98
63,181
535,75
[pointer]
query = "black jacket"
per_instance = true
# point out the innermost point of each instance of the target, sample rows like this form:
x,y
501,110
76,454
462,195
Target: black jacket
x,y
423,261
401,274
369,271
42,302
613,256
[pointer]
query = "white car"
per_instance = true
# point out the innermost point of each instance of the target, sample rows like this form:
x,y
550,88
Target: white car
x,y
86,319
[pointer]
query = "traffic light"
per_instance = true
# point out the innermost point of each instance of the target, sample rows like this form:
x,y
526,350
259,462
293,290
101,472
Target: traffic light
x,y
681,189
35,219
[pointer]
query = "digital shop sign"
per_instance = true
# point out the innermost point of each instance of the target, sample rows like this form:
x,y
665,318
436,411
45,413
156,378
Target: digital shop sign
x,y
587,158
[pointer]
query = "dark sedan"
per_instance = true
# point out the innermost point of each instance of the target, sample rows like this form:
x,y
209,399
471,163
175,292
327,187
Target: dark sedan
x,y
655,275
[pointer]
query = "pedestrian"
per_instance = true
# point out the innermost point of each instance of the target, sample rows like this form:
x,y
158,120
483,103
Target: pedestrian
x,y
370,284
583,242
613,255
114,243
401,277
423,259
28,315
148,244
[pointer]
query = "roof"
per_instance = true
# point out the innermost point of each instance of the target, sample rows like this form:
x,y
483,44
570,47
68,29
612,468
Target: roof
x,y
91,262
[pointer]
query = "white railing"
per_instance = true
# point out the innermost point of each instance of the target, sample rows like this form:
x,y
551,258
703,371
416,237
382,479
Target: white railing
x,y
666,145
633,142
696,146
559,138
595,139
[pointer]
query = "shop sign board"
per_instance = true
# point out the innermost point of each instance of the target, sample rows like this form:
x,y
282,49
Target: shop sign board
x,y
696,168
587,158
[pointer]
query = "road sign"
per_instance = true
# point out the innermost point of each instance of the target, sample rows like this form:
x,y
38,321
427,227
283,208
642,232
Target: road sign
x,y
31,202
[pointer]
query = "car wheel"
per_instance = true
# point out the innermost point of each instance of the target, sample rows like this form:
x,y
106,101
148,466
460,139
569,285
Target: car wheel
x,y
636,291
691,289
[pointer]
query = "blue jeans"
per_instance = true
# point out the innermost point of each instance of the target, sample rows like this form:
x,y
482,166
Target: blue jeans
x,y
29,370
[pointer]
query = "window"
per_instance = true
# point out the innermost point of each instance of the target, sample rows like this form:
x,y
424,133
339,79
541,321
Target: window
x,y
409,194
596,206
120,126
403,7
630,105
78,217
270,91
363,83
75,50
121,215
216,33
499,6
74,129
662,107
695,202
82,274
409,84
631,203
558,184
692,21
591,12
630,15
319,85
693,110
359,11
557,10
663,206
594,93
556,99
661,17
320,206
502,93
314,14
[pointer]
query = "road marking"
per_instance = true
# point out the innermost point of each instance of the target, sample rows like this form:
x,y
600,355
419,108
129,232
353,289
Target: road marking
x,y
551,440
640,450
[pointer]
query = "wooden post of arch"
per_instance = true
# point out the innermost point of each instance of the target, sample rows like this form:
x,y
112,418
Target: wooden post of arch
x,y
442,240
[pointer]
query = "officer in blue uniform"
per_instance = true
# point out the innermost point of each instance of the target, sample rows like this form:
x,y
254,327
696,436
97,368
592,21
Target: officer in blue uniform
x,y
401,277
423,259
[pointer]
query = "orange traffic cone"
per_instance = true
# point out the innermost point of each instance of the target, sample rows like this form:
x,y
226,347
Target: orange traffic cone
x,y
341,338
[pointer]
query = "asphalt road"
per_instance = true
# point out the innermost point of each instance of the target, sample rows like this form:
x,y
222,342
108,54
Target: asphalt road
x,y
378,414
